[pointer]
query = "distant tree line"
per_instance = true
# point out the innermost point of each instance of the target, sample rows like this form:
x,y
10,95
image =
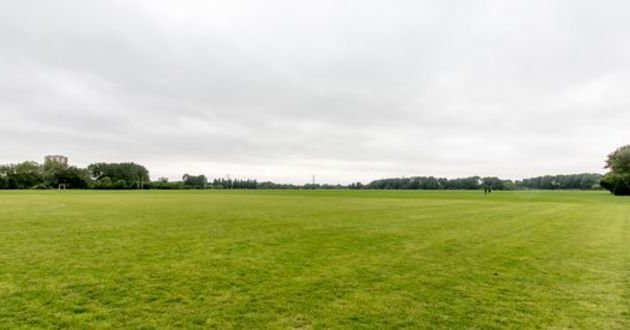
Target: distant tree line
x,y
27,175
228,184
582,181
429,183
31,175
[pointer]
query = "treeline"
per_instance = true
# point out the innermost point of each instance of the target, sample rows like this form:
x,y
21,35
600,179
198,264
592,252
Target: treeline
x,y
433,183
186,183
584,181
31,175
201,182
52,175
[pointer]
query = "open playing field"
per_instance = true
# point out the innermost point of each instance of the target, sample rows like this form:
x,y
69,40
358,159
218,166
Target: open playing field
x,y
314,259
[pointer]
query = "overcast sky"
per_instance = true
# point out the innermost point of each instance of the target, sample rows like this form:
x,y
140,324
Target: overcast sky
x,y
346,90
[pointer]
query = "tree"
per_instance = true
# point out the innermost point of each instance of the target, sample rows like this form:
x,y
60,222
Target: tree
x,y
25,175
103,183
4,181
132,174
55,174
119,184
617,181
619,160
195,181
493,183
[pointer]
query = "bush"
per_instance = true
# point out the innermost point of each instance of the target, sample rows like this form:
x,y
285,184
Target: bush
x,y
617,184
104,183
120,184
617,181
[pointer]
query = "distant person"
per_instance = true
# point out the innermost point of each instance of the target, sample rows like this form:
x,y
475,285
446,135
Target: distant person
x,y
487,189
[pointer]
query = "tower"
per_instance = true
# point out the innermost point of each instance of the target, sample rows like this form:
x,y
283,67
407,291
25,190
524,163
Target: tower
x,y
58,159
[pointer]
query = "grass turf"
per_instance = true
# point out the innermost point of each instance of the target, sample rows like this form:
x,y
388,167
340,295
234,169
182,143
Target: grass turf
x,y
314,259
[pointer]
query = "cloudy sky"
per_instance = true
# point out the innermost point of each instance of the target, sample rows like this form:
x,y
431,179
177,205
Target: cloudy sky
x,y
345,90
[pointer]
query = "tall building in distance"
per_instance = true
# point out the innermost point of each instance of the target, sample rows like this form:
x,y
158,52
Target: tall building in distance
x,y
59,159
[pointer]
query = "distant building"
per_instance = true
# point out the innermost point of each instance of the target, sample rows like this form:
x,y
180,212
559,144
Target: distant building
x,y
62,160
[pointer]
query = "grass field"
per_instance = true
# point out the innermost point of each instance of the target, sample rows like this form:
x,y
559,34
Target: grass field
x,y
314,259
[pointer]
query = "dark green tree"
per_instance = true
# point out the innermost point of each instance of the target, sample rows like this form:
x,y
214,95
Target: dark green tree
x,y
195,181
55,174
617,181
133,175
24,175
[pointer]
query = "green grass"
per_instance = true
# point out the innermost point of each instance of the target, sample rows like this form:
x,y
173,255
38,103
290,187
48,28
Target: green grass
x,y
314,259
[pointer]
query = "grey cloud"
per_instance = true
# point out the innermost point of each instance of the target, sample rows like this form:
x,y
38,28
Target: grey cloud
x,y
354,90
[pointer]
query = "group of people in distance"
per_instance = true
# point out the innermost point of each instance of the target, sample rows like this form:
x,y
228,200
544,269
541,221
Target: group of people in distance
x,y
487,189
